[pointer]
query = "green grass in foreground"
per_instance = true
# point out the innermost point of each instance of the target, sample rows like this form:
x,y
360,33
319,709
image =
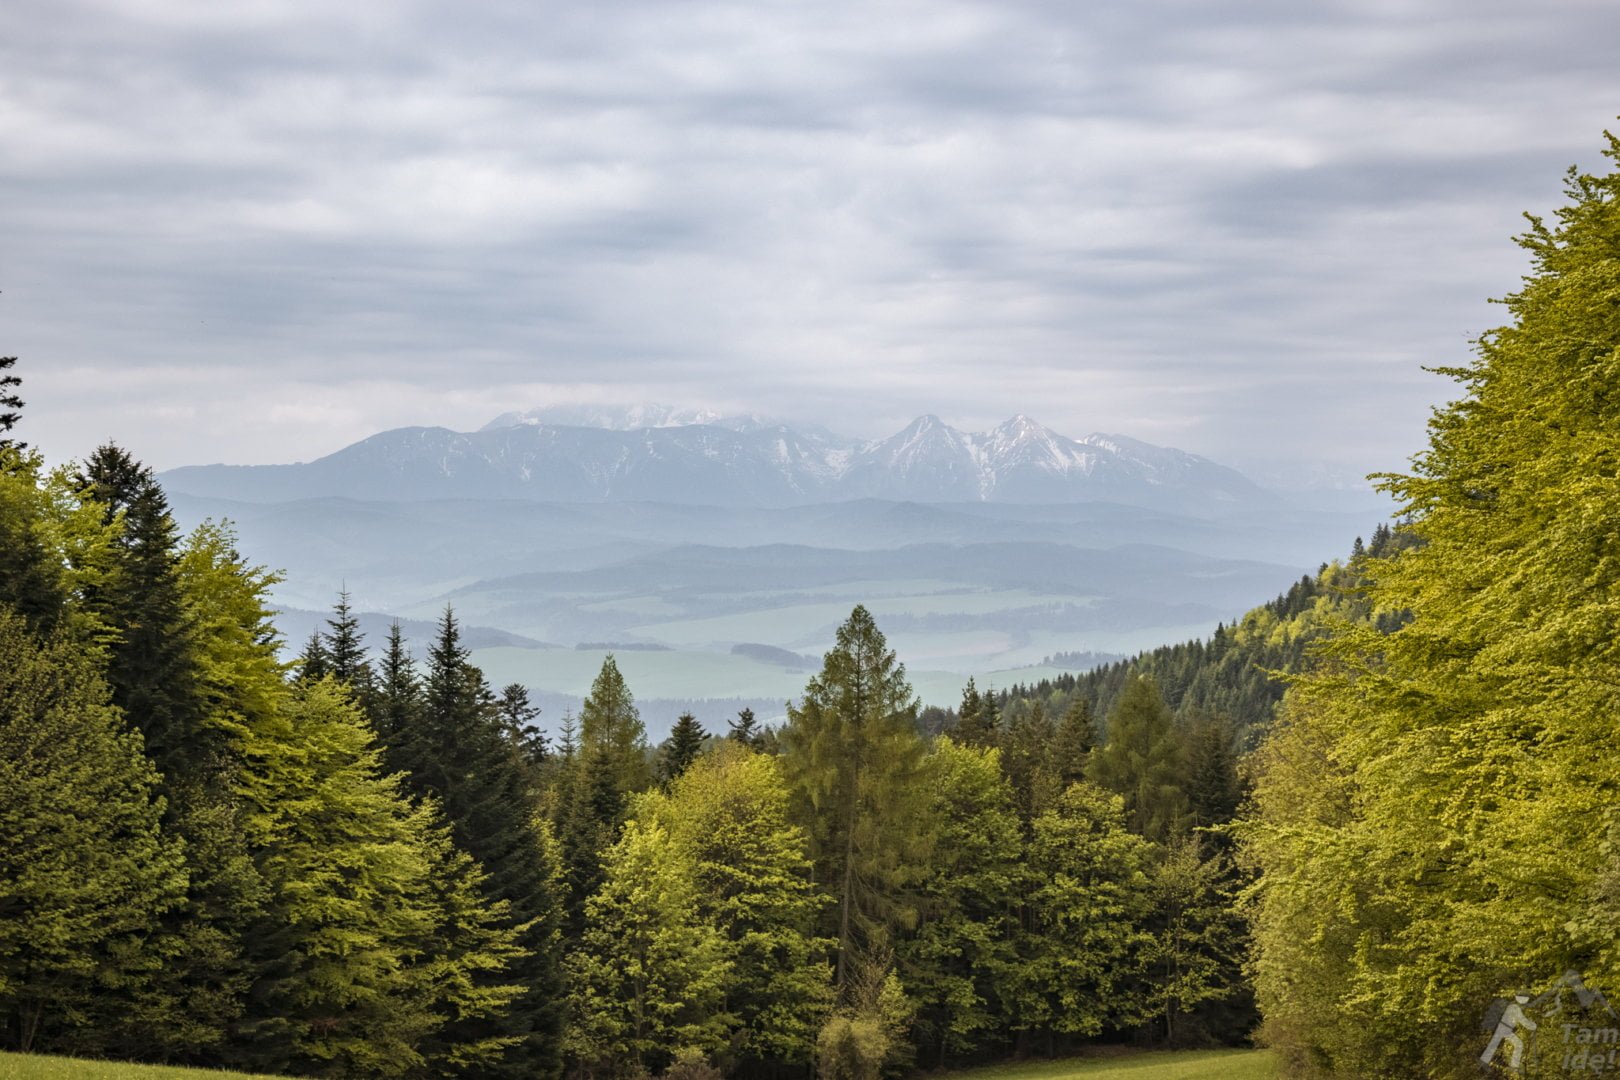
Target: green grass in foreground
x,y
1194,1065
1176,1065
35,1067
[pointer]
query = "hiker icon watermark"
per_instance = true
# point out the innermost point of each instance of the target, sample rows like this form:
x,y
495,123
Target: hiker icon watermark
x,y
1569,1029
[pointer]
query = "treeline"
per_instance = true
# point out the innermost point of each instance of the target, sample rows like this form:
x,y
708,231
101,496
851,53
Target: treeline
x,y
1233,674
354,864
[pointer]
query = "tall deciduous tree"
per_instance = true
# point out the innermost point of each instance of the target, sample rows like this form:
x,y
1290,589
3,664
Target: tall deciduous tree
x,y
1436,811
1086,944
955,963
728,816
649,978
855,758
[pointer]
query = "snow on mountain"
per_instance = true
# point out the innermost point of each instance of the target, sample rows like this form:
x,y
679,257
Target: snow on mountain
x,y
624,418
694,458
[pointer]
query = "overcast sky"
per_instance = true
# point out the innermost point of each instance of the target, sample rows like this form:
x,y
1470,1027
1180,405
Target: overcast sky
x,y
258,230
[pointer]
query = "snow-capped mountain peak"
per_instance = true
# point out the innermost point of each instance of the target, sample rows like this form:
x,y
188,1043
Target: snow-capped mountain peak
x,y
588,453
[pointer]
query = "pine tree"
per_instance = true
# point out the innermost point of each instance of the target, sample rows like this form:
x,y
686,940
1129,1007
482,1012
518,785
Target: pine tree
x,y
854,758
609,719
1144,761
86,870
684,745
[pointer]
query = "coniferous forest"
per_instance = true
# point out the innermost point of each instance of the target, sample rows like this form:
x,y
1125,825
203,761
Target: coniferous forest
x,y
1344,825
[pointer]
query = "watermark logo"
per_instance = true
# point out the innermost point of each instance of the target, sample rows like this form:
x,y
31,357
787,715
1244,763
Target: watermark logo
x,y
1568,1029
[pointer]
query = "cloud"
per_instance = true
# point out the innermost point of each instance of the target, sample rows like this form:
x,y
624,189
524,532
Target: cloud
x,y
256,232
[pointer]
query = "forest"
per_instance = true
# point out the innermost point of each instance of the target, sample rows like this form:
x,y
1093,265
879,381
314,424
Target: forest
x,y
1345,826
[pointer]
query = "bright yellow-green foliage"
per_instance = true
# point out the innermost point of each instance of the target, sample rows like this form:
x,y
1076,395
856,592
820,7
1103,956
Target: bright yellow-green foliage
x,y
1439,810
38,1067
1196,1065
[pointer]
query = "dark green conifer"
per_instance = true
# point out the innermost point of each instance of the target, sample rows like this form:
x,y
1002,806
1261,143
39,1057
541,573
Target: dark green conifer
x,y
683,747
460,755
745,729
10,404
151,668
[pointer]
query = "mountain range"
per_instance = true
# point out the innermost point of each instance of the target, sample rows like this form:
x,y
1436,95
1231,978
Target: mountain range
x,y
694,458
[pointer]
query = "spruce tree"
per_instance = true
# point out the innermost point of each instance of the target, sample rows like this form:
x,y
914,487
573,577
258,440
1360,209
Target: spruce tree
x,y
745,729
683,747
315,663
517,720
650,975
1144,761
461,757
972,728
1214,789
86,870
151,667
372,940
854,758
1073,743
396,707
10,403
346,649
33,567
591,810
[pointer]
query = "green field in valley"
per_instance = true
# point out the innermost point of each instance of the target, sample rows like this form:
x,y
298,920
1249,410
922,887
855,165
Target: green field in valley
x,y
1193,1065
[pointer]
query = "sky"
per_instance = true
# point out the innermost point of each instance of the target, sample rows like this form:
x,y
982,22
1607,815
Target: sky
x,y
258,231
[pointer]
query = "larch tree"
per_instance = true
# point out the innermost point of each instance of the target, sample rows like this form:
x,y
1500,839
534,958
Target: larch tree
x,y
854,757
609,719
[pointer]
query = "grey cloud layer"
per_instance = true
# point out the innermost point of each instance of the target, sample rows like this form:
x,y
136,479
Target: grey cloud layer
x,y
255,232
